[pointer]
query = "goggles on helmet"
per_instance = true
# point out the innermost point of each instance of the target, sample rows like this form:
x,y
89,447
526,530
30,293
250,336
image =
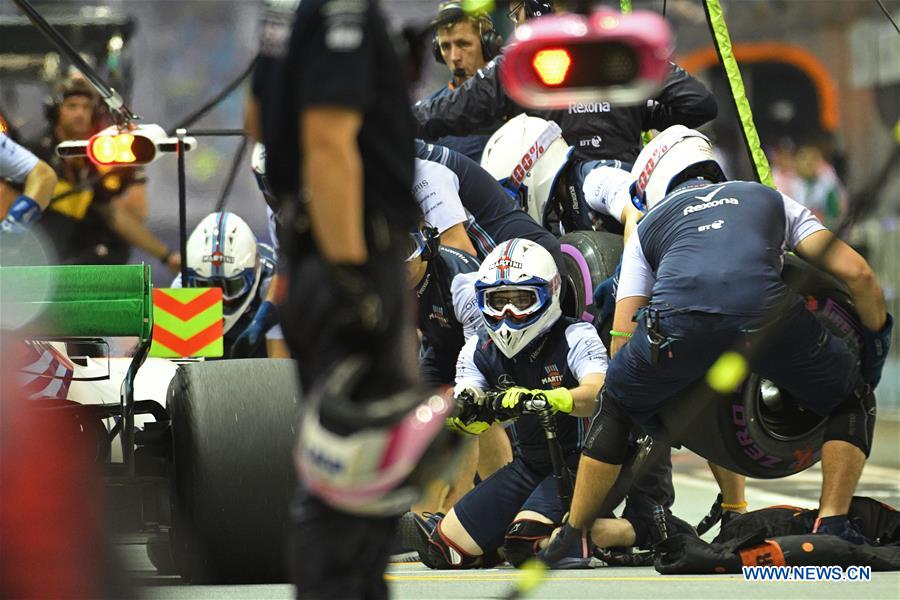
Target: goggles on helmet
x,y
233,288
515,304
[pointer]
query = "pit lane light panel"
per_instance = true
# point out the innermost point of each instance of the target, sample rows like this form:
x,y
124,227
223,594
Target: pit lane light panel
x,y
113,146
559,60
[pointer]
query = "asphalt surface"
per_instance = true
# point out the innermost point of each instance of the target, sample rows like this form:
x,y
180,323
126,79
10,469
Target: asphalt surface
x,y
695,491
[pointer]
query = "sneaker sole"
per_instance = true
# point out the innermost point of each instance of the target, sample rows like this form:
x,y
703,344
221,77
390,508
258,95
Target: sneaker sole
x,y
412,533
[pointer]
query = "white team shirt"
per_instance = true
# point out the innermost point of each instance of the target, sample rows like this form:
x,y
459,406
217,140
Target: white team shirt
x,y
15,161
586,356
436,189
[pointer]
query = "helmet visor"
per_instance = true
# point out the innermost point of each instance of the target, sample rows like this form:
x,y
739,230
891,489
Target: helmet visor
x,y
233,288
515,304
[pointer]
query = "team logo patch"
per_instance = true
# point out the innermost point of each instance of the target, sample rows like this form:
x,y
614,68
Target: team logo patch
x,y
552,376
217,259
506,263
437,314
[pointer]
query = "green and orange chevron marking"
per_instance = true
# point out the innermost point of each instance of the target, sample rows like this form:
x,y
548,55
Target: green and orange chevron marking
x,y
187,322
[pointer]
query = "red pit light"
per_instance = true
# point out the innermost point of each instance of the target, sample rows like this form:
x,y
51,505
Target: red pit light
x,y
552,65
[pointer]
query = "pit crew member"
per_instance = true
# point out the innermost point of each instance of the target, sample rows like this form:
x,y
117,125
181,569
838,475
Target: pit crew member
x,y
736,302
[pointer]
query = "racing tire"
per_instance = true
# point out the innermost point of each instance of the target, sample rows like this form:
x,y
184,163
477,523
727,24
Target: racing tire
x,y
233,433
595,256
762,431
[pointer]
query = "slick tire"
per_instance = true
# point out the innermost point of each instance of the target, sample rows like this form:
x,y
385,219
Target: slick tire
x,y
233,432
761,431
595,256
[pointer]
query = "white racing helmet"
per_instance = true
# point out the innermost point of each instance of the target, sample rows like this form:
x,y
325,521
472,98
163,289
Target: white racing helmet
x,y
518,294
527,155
674,155
222,252
373,457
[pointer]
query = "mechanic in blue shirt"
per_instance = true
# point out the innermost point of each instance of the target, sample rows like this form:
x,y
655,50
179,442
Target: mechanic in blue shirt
x,y
708,257
465,42
22,168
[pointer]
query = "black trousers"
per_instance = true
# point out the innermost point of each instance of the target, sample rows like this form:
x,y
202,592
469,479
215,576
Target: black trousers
x,y
336,554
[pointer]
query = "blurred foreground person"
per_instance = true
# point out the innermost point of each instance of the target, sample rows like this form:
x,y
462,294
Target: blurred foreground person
x,y
334,116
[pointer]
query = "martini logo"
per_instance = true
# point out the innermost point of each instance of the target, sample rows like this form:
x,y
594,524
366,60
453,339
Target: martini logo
x,y
217,259
437,314
506,263
552,376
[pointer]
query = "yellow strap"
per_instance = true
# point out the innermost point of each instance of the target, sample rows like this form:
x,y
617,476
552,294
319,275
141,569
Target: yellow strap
x,y
738,506
722,40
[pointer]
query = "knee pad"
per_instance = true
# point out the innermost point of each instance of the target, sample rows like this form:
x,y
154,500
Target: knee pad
x,y
853,421
523,538
607,437
441,553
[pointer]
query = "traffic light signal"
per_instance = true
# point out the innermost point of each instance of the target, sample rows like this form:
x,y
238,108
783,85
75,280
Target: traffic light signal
x,y
124,148
558,60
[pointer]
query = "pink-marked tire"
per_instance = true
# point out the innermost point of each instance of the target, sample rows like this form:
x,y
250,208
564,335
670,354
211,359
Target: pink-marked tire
x,y
595,256
761,431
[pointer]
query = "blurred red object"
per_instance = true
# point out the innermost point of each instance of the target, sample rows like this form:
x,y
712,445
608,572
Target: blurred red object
x,y
52,540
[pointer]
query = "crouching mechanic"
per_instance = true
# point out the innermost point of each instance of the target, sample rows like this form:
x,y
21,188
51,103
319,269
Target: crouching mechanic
x,y
222,252
527,346
444,282
705,308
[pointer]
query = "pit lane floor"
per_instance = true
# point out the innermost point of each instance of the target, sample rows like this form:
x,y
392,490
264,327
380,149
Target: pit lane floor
x,y
695,491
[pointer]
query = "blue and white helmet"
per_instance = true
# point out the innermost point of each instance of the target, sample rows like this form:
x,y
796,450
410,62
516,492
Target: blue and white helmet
x,y
222,252
518,294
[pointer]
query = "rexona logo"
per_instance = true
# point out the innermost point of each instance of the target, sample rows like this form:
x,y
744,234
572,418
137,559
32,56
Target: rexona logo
x,y
718,224
578,108
711,204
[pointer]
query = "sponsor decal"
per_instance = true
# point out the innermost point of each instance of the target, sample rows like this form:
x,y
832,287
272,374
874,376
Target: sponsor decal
x,y
577,108
593,142
552,376
537,150
750,448
505,263
717,224
437,314
712,204
649,167
218,259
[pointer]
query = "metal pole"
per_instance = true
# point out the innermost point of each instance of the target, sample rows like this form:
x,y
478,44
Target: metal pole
x,y
182,206
117,108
